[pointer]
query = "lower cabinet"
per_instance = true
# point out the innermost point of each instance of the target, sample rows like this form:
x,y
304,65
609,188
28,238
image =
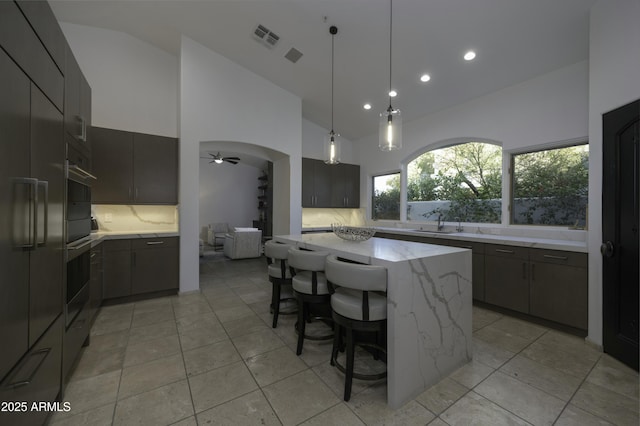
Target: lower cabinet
x,y
559,287
95,282
507,277
139,266
36,379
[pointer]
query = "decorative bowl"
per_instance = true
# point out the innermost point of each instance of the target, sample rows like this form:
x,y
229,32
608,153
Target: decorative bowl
x,y
352,233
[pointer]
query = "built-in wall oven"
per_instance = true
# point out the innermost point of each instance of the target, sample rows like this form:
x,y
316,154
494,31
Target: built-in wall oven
x,y
78,238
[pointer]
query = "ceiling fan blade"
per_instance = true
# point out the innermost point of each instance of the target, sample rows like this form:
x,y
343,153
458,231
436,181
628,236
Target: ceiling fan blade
x,y
232,158
231,161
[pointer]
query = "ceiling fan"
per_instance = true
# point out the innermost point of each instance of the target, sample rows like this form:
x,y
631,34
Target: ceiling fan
x,y
218,159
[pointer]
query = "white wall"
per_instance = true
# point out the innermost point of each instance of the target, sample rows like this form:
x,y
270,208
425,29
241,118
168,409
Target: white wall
x,y
614,70
313,143
134,84
541,111
221,101
228,193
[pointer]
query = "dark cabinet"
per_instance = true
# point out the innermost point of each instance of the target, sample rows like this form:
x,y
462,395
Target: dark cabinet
x,y
112,155
45,25
36,379
345,185
22,44
117,268
155,169
77,104
134,168
31,232
332,186
139,266
477,265
155,265
559,287
507,277
95,281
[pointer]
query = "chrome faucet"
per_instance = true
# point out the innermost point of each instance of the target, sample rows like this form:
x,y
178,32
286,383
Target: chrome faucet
x,y
440,222
459,228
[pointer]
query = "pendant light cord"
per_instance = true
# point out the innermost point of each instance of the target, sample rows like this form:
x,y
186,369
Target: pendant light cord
x,y
333,35
390,47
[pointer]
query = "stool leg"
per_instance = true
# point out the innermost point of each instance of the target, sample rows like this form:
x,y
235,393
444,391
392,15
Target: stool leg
x,y
301,324
273,296
336,343
350,357
276,303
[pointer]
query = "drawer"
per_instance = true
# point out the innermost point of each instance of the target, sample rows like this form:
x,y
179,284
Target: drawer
x,y
116,245
559,257
513,252
149,243
477,248
36,378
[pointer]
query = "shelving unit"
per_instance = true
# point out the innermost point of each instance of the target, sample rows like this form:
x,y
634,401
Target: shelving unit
x,y
265,207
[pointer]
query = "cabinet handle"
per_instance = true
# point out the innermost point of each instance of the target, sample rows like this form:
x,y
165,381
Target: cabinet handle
x,y
136,194
505,251
45,185
550,256
43,355
154,243
533,272
134,259
32,208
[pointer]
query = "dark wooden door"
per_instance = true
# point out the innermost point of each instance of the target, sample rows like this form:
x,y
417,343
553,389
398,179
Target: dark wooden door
x,y
620,217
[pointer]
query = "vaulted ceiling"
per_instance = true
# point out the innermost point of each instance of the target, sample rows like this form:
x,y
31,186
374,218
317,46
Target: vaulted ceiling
x,y
515,40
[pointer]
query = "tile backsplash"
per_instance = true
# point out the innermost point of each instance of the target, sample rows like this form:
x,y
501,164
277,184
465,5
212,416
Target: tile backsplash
x,y
144,218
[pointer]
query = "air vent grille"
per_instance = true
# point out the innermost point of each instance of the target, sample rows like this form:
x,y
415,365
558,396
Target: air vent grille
x,y
266,36
293,55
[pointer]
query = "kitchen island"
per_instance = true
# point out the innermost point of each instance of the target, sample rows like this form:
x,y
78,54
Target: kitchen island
x,y
429,306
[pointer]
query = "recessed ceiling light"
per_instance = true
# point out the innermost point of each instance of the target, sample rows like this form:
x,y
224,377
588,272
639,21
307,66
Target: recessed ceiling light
x,y
425,77
393,93
470,55
367,106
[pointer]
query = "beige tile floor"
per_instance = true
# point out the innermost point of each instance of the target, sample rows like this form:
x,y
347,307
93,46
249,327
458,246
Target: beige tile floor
x,y
212,358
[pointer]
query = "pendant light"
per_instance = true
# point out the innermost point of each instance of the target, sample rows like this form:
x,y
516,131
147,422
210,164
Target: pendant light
x,y
390,128
332,141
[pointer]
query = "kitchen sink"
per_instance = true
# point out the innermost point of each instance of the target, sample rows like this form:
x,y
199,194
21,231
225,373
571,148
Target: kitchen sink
x,y
431,231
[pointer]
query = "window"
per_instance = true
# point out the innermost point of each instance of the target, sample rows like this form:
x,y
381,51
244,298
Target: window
x,y
461,183
551,187
386,197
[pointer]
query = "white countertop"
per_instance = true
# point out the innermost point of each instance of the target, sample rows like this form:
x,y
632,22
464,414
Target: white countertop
x,y
521,241
97,237
364,251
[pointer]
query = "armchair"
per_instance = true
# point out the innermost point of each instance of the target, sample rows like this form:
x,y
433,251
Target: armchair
x,y
216,233
243,243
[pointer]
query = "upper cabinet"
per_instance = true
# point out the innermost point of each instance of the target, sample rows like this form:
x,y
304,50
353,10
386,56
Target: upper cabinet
x,y
77,105
134,168
332,186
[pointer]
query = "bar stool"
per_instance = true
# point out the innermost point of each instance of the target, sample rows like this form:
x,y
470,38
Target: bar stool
x,y
279,275
356,307
311,291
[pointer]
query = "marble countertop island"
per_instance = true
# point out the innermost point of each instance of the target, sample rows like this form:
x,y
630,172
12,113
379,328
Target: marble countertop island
x,y
429,306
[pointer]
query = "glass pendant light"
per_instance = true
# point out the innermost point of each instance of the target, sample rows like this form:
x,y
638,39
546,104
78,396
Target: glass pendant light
x,y
332,141
390,128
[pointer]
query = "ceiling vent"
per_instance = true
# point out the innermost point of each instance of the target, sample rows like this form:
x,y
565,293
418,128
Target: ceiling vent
x,y
266,36
293,55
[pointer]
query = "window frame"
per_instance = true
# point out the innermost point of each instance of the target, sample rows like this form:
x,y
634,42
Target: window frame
x,y
512,179
373,194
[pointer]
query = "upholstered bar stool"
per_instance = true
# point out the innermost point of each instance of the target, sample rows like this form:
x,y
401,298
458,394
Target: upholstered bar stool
x,y
279,275
311,291
357,308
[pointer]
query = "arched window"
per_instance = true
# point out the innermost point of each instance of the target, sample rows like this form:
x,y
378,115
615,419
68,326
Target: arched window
x,y
457,183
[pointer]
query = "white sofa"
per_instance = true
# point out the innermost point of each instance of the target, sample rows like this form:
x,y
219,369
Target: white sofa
x,y
216,233
243,243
